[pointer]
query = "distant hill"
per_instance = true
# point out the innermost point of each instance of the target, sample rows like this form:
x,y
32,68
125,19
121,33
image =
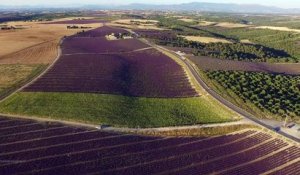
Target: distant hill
x,y
194,6
213,7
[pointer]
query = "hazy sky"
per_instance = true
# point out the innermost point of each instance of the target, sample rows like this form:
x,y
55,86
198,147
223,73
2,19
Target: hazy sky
x,y
279,3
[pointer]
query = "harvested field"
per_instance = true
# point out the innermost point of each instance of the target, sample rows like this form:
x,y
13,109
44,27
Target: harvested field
x,y
19,46
206,23
278,28
136,24
187,20
207,63
43,53
231,25
78,21
206,39
132,21
52,148
146,73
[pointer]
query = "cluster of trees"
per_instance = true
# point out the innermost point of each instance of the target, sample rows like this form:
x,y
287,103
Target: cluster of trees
x,y
269,45
278,94
180,27
280,40
234,51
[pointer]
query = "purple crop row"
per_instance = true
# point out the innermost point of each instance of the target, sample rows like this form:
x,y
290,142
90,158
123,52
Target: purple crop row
x,y
184,157
144,73
96,65
75,45
233,160
156,34
59,149
101,32
268,163
289,170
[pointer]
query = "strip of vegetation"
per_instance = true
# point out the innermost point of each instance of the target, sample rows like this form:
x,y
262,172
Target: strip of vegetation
x,y
199,132
232,51
280,40
277,94
116,110
14,77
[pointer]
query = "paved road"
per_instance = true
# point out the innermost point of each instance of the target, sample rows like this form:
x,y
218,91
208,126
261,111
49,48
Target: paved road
x,y
223,100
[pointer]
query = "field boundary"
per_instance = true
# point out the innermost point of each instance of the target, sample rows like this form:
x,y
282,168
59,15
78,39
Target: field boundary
x,y
59,52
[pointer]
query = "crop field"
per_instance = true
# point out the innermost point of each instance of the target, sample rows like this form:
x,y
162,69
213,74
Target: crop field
x,y
136,24
148,88
144,73
155,34
14,76
101,32
24,53
206,39
54,148
211,64
78,21
96,65
100,45
35,35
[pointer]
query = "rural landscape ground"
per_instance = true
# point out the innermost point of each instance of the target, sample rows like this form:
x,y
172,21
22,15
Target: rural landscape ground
x,y
149,92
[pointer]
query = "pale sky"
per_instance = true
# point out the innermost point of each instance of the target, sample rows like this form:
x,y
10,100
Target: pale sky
x,y
279,3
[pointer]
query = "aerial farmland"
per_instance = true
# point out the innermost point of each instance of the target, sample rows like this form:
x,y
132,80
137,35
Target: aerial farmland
x,y
144,91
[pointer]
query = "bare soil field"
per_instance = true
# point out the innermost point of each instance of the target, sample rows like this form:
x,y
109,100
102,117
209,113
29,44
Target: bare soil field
x,y
187,20
78,21
136,24
16,44
206,23
206,39
278,28
207,63
231,25
43,53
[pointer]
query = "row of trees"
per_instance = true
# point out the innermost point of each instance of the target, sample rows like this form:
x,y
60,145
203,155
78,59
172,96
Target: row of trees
x,y
280,40
234,51
278,94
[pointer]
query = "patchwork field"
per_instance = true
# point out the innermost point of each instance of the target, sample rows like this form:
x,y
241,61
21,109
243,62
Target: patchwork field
x,y
143,87
62,149
25,53
136,24
78,21
207,63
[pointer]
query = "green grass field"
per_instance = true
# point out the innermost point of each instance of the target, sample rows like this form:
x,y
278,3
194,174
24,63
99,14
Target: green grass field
x,y
117,110
14,76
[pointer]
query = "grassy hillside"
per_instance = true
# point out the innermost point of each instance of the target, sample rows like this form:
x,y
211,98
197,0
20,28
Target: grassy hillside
x,y
13,76
116,110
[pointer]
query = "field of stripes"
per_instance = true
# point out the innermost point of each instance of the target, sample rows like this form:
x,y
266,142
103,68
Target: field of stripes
x,y
30,147
91,64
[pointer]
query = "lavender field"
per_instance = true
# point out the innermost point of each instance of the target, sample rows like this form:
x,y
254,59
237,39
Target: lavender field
x,y
123,67
53,148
